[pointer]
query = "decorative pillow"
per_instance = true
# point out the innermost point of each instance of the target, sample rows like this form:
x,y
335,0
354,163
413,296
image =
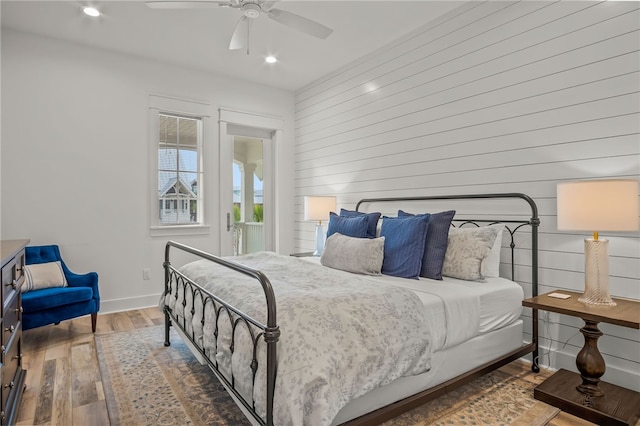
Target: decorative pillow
x,y
372,220
466,250
403,245
436,243
491,264
357,255
349,226
43,275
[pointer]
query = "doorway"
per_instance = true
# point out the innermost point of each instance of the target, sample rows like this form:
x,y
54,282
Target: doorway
x,y
247,176
248,195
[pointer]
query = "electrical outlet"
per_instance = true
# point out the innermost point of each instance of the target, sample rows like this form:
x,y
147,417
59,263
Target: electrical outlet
x,y
146,274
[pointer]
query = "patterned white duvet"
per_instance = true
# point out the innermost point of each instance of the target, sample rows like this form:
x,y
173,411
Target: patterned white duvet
x,y
341,334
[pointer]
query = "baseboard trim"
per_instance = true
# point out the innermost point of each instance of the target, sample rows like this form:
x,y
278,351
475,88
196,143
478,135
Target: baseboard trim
x,y
128,304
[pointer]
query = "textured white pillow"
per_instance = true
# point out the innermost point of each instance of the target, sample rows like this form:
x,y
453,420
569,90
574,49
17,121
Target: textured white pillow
x,y
357,255
491,264
43,275
465,251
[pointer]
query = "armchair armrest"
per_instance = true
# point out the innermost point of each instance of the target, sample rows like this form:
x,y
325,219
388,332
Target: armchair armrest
x,y
84,280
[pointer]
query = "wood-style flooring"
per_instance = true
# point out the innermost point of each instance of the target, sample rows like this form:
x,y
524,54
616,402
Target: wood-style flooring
x,y
64,386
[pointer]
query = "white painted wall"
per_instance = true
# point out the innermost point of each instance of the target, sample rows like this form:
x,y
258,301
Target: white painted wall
x,y
492,97
74,157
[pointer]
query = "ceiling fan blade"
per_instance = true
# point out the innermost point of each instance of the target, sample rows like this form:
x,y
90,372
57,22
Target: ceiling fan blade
x,y
239,37
186,4
267,5
299,23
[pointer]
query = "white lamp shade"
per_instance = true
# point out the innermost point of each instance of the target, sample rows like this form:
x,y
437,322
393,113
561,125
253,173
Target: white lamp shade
x,y
318,207
598,205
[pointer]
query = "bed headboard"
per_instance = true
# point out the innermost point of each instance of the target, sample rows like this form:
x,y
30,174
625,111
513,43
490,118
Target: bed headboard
x,y
480,200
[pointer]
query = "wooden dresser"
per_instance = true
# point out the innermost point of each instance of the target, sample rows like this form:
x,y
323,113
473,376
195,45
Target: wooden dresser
x,y
12,376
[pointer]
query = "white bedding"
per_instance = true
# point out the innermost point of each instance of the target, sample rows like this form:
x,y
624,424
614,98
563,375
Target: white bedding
x,y
474,307
453,311
445,365
341,335
470,308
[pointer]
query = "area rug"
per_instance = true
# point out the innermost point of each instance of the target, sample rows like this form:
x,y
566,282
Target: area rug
x,y
497,398
146,383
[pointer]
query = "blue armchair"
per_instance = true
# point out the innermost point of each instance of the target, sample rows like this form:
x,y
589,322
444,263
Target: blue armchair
x,y
52,305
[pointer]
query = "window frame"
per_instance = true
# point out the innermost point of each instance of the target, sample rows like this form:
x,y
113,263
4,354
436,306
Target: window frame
x,y
189,109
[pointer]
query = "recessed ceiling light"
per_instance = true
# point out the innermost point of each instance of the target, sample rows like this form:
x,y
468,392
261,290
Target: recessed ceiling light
x,y
91,11
270,59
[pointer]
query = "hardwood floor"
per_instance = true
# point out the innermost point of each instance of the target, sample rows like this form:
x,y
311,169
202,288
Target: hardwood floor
x,y
64,386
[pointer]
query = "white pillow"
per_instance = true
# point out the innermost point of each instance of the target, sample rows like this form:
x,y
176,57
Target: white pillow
x,y
491,264
465,251
357,255
43,275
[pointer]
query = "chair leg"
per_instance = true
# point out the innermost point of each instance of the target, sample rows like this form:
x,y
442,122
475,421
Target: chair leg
x,y
94,319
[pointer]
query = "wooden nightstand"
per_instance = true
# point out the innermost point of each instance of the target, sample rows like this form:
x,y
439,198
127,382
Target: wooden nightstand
x,y
584,395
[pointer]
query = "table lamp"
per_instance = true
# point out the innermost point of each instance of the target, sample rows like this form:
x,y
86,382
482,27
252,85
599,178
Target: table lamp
x,y
598,205
318,208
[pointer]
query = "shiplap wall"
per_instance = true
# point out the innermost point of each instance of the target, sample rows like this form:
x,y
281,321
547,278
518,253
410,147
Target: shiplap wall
x,y
492,97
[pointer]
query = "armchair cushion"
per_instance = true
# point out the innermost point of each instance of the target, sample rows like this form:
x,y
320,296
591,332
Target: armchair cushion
x,y
53,297
51,305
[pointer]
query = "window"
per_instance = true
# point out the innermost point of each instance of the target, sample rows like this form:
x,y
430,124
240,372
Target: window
x,y
177,136
178,170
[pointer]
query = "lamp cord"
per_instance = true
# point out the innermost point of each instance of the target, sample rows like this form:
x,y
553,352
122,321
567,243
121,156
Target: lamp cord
x,y
550,351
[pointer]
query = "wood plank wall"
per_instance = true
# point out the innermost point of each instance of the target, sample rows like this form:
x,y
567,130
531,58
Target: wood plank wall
x,y
492,97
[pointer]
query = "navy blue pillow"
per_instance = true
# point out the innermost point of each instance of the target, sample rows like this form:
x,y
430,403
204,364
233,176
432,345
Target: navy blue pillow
x,y
435,244
404,240
349,226
371,217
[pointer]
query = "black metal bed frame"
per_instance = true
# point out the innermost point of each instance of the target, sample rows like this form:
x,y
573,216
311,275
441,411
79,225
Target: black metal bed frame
x,y
270,331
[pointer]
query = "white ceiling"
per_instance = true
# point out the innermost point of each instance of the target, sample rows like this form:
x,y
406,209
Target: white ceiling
x,y
198,38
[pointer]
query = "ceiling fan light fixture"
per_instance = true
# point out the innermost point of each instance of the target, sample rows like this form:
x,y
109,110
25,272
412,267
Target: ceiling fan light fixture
x,y
251,10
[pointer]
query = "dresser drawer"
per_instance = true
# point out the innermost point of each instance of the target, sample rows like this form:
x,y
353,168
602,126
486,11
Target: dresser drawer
x,y
11,361
11,321
12,375
12,278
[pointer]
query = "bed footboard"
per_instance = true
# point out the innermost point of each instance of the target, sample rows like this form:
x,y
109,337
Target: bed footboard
x,y
177,284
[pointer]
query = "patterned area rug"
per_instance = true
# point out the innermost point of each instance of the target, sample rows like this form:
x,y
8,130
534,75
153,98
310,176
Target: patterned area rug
x,y
147,383
496,398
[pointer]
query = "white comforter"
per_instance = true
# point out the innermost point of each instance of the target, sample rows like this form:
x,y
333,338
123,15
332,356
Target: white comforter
x,y
341,334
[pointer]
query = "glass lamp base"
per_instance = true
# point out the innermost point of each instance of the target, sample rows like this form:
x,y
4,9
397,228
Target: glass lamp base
x,y
596,273
320,240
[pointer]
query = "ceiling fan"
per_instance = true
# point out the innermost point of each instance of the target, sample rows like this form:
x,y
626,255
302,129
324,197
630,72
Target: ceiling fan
x,y
251,9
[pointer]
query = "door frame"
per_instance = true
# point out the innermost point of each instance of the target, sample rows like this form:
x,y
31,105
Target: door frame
x,y
270,130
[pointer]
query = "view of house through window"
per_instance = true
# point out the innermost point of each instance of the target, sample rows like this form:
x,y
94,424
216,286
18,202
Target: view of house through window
x,y
178,169
248,195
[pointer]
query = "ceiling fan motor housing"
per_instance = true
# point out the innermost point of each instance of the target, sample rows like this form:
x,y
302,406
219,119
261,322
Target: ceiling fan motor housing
x,y
251,10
